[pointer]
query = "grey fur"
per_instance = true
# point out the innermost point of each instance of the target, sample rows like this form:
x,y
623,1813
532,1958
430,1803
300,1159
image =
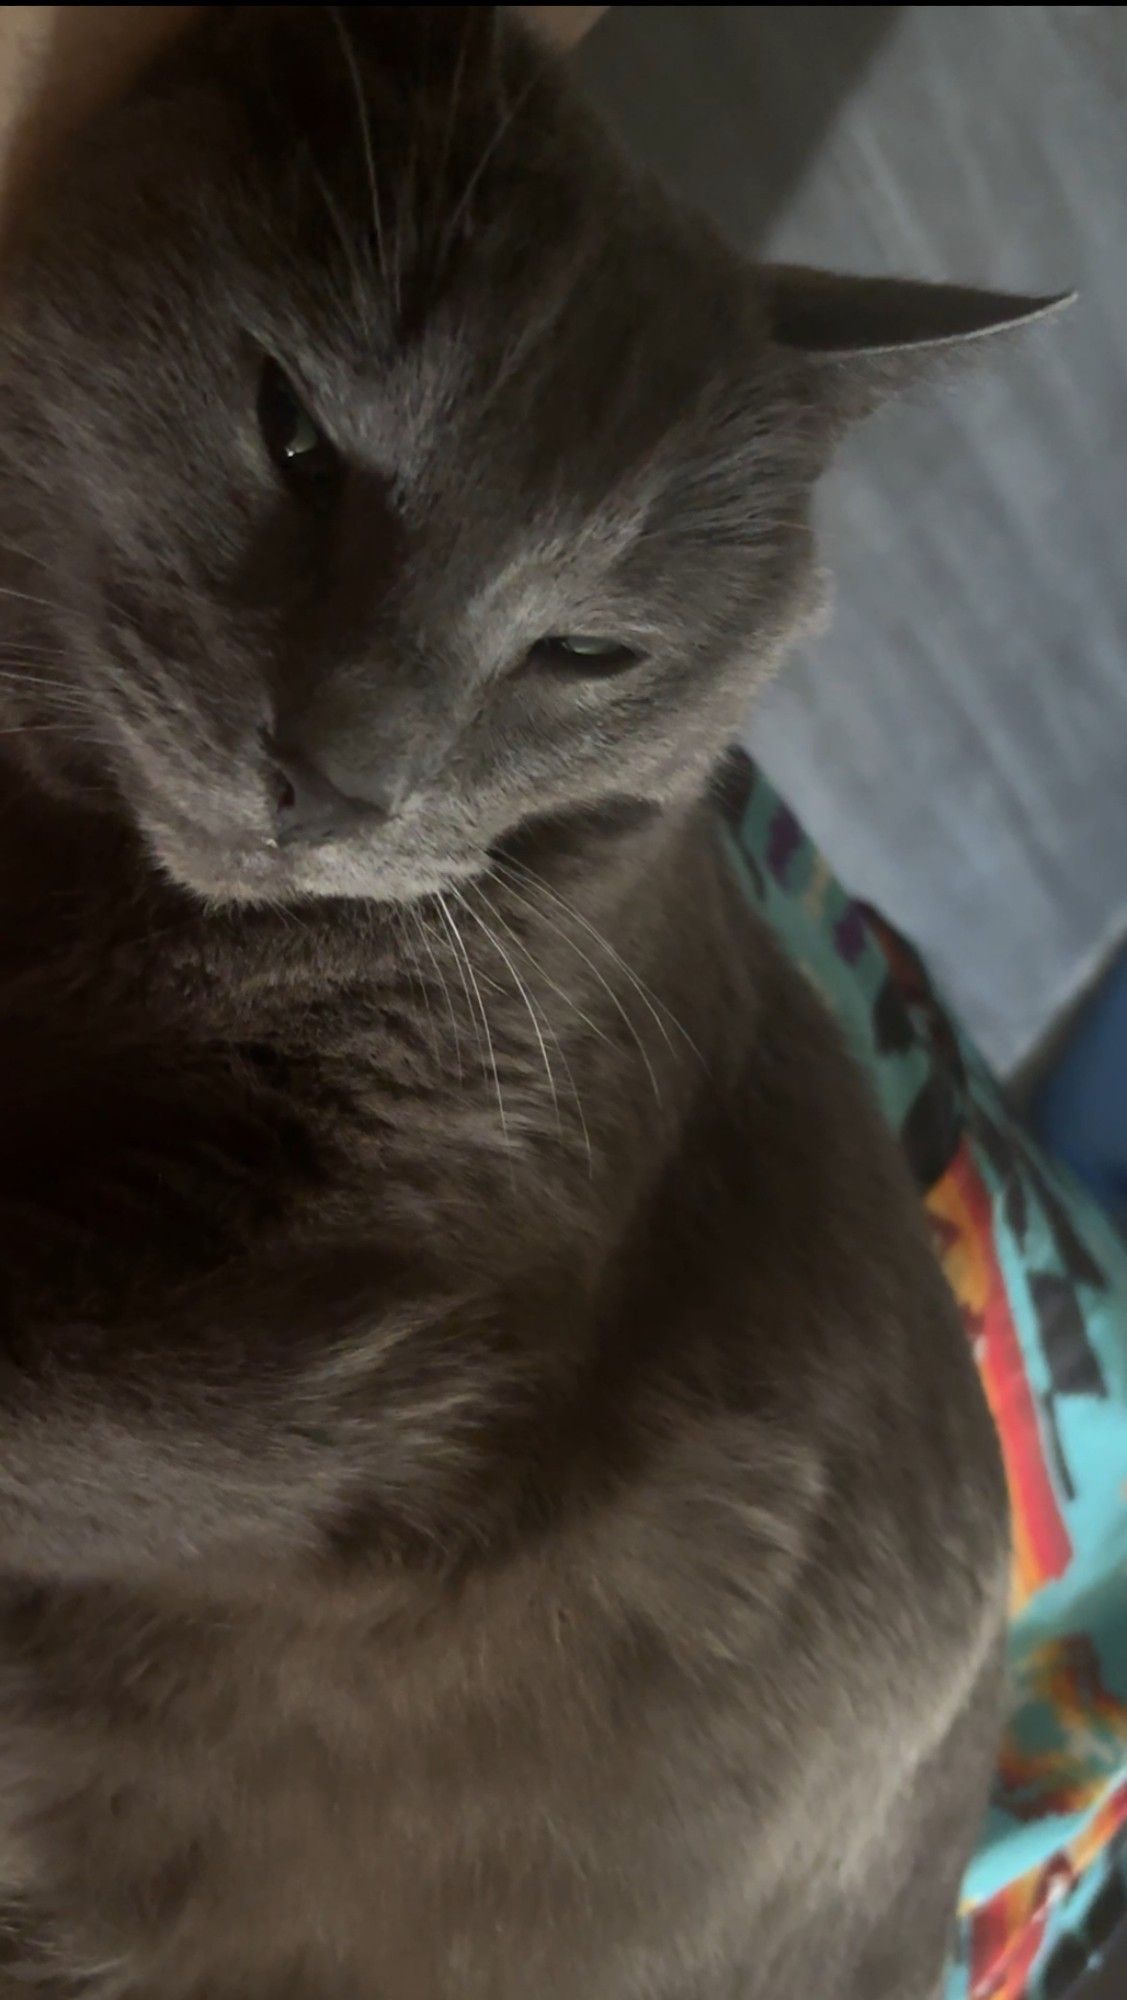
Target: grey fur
x,y
494,1499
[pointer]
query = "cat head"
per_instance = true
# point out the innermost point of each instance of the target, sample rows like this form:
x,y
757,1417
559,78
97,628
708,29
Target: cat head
x,y
386,465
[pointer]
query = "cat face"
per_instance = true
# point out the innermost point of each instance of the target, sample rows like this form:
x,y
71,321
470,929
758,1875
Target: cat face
x,y
395,467
384,466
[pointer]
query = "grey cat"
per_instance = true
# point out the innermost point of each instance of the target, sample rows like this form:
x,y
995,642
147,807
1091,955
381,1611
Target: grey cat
x,y
495,1503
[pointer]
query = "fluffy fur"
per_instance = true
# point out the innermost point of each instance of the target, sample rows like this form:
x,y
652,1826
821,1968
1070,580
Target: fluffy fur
x,y
494,1500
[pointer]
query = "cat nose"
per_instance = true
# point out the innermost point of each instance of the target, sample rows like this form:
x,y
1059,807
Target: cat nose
x,y
308,806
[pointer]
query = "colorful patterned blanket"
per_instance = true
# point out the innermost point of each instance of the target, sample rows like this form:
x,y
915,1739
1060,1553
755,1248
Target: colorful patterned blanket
x,y
1041,1278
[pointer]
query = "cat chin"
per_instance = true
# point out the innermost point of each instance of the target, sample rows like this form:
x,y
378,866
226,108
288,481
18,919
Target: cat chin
x,y
261,874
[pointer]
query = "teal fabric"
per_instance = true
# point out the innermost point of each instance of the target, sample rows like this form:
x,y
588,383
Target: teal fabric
x,y
1041,1277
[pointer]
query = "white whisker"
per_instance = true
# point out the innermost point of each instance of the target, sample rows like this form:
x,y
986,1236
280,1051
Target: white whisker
x,y
452,933
615,998
560,991
23,555
459,944
452,111
525,996
415,974
649,999
428,946
56,691
340,230
518,941
502,128
349,53
26,597
44,650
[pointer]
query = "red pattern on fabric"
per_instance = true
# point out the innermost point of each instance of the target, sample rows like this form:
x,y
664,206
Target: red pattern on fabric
x,y
961,1212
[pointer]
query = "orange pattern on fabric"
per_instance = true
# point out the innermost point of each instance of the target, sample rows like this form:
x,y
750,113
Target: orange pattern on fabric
x,y
961,1214
1007,1932
1072,1772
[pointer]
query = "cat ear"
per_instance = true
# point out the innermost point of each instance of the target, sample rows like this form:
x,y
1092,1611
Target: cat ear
x,y
869,337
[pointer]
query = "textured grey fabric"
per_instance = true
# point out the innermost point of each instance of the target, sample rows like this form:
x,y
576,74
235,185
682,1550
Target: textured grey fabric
x,y
958,739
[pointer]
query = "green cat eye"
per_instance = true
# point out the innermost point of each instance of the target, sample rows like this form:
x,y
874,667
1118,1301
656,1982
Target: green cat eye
x,y
303,436
299,449
583,653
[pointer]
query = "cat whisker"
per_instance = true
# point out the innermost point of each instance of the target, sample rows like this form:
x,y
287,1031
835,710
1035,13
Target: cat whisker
x,y
340,230
459,944
561,992
409,178
19,666
405,924
500,131
349,52
56,719
495,25
518,941
452,110
428,945
288,917
452,933
17,649
23,555
409,959
650,1001
19,683
615,998
525,996
27,597
26,680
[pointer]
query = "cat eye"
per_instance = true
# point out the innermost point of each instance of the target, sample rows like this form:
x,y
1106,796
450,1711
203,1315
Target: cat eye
x,y
299,449
583,653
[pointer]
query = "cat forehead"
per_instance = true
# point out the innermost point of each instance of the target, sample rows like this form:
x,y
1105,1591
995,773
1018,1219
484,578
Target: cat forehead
x,y
418,200
582,363
544,484
440,156
519,332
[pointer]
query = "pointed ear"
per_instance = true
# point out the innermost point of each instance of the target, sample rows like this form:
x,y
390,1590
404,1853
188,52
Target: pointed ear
x,y
869,337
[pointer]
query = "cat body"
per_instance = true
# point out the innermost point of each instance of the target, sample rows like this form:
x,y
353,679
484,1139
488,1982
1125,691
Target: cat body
x,y
494,1496
640,1636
